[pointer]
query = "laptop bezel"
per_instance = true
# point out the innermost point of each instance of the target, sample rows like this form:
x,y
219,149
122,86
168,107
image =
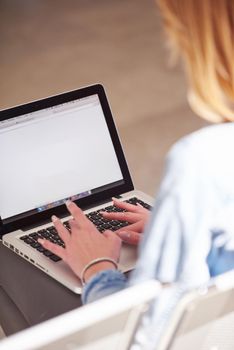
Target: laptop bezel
x,y
86,202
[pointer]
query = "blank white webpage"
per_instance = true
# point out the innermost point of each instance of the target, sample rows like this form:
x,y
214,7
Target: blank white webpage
x,y
56,154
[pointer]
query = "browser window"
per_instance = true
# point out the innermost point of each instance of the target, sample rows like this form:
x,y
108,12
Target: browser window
x,y
54,154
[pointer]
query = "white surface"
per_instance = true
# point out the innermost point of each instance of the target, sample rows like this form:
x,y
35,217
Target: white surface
x,y
203,318
216,335
54,154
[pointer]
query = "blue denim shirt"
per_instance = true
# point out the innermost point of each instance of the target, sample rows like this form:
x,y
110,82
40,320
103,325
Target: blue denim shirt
x,y
190,236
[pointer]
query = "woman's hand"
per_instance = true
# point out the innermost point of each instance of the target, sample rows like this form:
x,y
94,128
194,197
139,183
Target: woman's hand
x,y
136,215
84,243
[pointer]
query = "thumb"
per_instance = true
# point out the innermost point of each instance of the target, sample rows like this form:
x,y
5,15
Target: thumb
x,y
109,234
130,237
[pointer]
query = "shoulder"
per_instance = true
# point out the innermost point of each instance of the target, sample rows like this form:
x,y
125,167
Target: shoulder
x,y
205,155
215,140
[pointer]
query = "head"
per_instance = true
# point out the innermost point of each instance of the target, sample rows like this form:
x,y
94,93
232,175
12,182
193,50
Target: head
x,y
202,33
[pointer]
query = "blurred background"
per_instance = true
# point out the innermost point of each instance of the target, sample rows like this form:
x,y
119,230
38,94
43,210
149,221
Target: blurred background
x,y
48,47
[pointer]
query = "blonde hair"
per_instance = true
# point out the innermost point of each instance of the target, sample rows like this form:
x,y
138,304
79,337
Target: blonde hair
x,y
202,31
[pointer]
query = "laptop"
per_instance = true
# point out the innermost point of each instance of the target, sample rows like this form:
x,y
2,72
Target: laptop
x,y
109,323
59,148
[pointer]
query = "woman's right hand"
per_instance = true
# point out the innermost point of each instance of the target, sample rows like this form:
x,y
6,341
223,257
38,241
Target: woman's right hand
x,y
136,215
83,244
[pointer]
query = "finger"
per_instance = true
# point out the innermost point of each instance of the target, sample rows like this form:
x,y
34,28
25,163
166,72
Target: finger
x,y
62,231
54,248
142,209
139,205
110,234
127,206
74,226
137,227
130,237
125,216
77,214
73,223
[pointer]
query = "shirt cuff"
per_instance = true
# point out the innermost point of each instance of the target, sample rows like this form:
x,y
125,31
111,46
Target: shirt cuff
x,y
102,284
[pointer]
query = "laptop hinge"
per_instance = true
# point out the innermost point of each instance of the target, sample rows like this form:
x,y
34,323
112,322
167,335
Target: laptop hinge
x,y
2,231
100,203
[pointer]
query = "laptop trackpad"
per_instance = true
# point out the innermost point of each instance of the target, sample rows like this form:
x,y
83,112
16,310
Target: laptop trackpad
x,y
128,257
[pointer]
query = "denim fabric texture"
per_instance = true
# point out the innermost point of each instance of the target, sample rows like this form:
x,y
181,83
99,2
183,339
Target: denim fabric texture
x,y
102,284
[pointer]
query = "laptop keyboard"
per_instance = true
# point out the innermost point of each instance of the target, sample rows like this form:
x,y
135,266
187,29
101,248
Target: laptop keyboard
x,y
97,219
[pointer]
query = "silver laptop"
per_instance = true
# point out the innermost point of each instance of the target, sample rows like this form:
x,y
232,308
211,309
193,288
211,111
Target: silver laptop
x,y
62,147
106,324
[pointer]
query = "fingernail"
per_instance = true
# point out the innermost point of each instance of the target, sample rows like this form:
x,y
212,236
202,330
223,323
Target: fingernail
x,y
41,241
124,235
114,199
139,205
54,218
68,202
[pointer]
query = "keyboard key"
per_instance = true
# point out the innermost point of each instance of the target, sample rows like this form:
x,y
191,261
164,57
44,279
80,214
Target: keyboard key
x,y
107,226
41,231
33,235
45,234
28,240
41,249
135,200
52,230
47,253
114,223
23,237
55,258
35,245
110,208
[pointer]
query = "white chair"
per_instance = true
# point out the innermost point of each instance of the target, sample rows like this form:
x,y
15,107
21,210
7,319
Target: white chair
x,y
204,319
107,324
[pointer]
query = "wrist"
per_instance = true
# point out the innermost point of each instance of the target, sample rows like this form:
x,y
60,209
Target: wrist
x,y
98,267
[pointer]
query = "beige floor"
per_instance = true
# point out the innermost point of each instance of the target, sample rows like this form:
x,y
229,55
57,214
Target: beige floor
x,y
47,47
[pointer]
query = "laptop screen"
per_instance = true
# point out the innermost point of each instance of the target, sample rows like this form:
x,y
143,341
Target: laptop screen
x,y
53,154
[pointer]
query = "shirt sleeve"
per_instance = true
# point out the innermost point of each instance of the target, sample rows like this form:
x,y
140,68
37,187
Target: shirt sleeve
x,y
102,284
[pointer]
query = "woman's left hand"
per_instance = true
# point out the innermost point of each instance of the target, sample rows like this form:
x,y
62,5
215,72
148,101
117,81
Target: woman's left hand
x,y
84,243
135,215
